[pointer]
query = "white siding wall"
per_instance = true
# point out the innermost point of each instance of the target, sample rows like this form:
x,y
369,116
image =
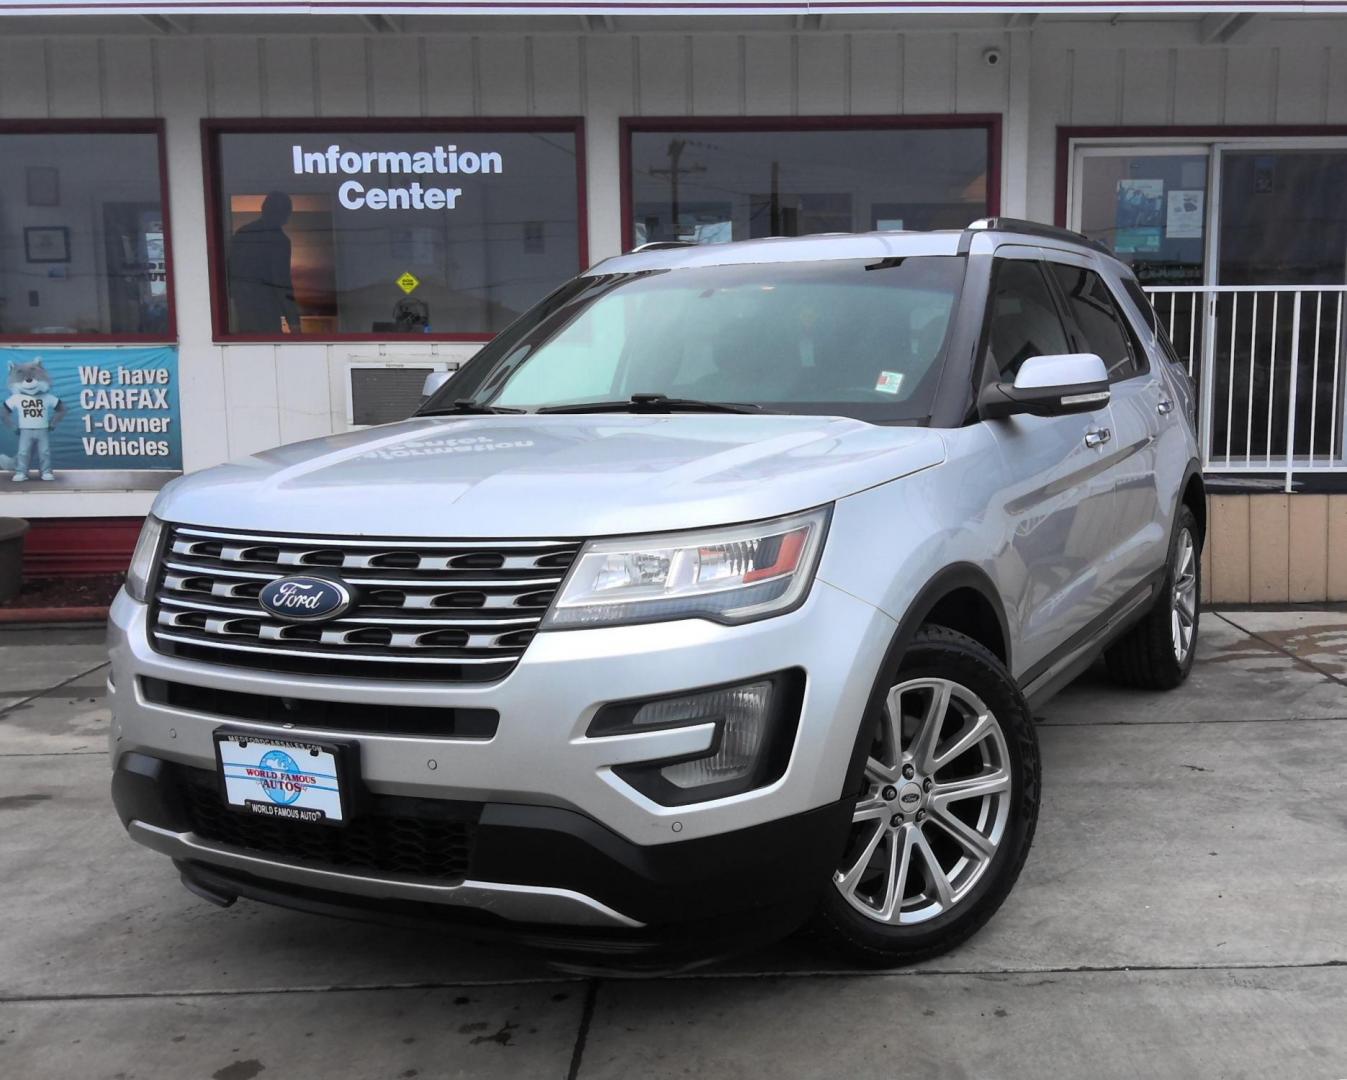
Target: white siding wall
x,y
241,398
1283,72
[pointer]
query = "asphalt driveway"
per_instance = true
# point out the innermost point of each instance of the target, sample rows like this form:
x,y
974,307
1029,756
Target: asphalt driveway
x,y
1183,913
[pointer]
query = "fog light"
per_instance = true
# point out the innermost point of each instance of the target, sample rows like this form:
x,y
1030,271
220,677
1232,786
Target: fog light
x,y
742,713
755,725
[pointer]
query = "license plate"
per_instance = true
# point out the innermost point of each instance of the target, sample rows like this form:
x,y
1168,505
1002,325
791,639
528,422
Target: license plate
x,y
290,779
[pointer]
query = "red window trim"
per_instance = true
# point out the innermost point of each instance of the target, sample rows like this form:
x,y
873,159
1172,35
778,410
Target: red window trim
x,y
1213,132
107,127
628,125
211,129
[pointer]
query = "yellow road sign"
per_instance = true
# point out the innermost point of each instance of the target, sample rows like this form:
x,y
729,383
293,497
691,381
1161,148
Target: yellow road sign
x,y
408,282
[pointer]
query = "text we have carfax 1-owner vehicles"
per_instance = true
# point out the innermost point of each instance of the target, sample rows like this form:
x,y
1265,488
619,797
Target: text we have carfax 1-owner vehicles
x,y
709,598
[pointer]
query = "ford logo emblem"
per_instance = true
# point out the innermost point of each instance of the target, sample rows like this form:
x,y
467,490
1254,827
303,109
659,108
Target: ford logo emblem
x,y
305,599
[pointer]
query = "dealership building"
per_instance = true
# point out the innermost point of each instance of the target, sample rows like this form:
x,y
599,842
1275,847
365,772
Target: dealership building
x,y
404,178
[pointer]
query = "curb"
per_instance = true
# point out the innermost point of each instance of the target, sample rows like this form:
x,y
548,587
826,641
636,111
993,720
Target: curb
x,y
53,615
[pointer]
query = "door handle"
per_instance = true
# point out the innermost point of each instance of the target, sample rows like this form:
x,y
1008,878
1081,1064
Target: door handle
x,y
1165,407
1097,437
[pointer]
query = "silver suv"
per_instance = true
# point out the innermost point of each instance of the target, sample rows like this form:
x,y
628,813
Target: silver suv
x,y
711,597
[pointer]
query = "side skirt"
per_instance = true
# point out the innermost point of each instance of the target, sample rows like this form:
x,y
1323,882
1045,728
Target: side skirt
x,y
1064,664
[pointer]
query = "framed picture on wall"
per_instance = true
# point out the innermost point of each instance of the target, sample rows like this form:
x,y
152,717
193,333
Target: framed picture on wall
x,y
43,185
46,244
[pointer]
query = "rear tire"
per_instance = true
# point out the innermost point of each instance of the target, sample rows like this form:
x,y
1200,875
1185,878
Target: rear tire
x,y
947,816
1157,653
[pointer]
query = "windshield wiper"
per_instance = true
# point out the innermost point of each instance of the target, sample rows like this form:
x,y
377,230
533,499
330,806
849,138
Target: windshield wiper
x,y
655,403
466,407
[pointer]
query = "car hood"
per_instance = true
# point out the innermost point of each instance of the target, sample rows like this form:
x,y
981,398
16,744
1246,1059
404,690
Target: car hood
x,y
558,475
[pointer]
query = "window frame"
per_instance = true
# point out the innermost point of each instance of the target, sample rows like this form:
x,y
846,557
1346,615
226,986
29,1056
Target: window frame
x,y
153,127
1141,363
631,125
216,248
1006,253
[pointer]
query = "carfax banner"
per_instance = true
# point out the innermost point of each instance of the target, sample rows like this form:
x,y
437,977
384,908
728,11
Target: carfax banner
x,y
89,418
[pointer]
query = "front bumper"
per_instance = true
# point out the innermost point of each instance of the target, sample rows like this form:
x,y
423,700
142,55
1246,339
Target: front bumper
x,y
561,839
548,876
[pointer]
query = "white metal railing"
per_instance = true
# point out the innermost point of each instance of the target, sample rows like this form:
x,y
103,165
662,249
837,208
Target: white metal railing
x,y
1270,362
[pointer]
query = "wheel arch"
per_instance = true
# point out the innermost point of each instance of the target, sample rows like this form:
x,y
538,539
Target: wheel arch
x,y
960,597
1193,495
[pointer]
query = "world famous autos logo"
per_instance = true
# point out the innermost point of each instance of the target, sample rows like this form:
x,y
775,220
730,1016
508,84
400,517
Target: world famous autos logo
x,y
280,778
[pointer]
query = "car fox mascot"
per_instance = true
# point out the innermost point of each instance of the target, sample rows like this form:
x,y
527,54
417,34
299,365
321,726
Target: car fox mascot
x,y
35,411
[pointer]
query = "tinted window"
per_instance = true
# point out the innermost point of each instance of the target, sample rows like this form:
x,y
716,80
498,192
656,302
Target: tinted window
x,y
1157,327
845,337
710,187
1142,301
1023,321
1098,320
82,242
390,232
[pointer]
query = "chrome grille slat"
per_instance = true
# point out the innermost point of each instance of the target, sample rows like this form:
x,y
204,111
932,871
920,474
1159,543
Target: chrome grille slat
x,y
189,570
353,657
318,543
461,619
460,610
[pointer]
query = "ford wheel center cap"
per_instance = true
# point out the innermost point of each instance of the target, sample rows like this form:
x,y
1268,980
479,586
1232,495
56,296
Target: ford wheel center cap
x,y
305,599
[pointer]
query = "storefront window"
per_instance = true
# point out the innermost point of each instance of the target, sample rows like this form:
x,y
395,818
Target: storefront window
x,y
736,182
83,242
1150,209
1283,217
392,231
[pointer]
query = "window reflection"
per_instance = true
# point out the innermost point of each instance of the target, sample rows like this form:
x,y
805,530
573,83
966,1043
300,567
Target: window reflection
x,y
82,242
712,187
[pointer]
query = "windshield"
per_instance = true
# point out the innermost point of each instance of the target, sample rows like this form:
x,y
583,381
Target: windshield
x,y
859,338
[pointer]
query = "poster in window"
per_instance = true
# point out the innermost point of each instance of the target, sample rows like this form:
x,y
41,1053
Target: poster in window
x,y
1183,217
1139,215
88,419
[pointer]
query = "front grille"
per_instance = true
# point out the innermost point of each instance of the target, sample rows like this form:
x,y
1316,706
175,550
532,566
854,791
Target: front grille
x,y
447,610
421,838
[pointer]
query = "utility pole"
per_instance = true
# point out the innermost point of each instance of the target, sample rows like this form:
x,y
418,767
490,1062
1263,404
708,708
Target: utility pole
x,y
673,172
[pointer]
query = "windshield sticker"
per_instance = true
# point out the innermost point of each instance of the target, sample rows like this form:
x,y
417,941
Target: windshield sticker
x,y
889,382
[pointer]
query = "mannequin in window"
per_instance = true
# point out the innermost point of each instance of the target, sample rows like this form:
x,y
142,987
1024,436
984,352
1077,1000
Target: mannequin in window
x,y
260,285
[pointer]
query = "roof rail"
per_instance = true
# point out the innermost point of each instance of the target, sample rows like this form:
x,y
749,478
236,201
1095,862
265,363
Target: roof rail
x,y
1033,228
660,245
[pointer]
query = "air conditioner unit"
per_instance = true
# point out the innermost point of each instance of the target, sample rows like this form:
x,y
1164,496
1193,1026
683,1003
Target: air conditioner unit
x,y
383,391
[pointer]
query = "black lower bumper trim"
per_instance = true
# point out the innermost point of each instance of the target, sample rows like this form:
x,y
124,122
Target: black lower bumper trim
x,y
698,898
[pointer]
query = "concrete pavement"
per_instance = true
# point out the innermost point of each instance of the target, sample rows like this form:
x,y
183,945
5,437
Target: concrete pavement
x,y
1183,913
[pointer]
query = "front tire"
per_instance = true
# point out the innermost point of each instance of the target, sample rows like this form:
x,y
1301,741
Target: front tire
x,y
945,822
1157,653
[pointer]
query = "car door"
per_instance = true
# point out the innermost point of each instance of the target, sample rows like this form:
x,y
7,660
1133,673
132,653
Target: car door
x,y
1055,500
1097,324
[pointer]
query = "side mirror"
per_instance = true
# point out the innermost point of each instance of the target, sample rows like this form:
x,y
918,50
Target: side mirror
x,y
1049,386
433,382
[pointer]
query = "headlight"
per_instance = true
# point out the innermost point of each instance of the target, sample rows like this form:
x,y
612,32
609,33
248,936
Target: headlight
x,y
732,574
142,559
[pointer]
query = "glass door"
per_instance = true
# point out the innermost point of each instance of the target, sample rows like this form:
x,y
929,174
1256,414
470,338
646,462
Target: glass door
x,y
1148,203
1280,363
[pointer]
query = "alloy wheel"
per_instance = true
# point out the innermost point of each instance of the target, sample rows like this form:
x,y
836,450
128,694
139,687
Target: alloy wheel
x,y
1183,614
937,800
